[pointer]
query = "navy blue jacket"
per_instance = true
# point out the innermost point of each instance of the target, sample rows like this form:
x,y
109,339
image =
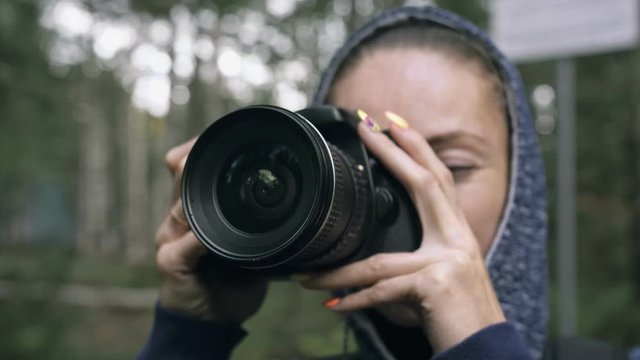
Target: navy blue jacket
x,y
176,337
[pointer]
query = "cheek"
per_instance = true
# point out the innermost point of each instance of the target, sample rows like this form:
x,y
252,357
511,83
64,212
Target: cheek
x,y
482,206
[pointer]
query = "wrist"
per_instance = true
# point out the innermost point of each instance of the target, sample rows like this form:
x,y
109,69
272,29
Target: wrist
x,y
176,335
460,309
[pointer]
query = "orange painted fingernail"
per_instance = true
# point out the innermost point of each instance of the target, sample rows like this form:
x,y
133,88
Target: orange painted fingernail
x,y
331,302
368,120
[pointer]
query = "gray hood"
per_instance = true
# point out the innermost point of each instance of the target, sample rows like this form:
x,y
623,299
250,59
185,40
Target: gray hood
x,y
517,259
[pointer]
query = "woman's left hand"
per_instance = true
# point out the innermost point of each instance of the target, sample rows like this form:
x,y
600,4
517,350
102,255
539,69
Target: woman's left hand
x,y
445,279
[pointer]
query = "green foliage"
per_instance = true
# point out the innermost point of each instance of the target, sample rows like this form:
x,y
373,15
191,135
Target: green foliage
x,y
475,11
34,123
607,140
46,263
35,326
162,8
293,324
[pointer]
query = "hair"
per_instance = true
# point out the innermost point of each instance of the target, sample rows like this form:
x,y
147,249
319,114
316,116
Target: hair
x,y
415,34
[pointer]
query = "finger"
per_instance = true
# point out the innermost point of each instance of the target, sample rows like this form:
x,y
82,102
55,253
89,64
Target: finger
x,y
368,271
397,289
434,209
175,155
419,149
174,225
176,158
177,179
177,217
180,255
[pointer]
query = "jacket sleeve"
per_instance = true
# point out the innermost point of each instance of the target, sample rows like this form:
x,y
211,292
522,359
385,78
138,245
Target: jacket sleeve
x,y
495,342
178,336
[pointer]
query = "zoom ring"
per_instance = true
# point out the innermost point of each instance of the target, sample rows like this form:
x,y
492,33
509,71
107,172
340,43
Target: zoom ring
x,y
322,241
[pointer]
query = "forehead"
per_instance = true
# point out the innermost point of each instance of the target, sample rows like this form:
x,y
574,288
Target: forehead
x,y
436,93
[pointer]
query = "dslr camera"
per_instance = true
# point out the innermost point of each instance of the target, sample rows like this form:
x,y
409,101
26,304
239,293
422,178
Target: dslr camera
x,y
279,192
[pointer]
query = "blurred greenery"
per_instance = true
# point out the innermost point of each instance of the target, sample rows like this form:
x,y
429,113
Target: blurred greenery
x,y
44,263
93,93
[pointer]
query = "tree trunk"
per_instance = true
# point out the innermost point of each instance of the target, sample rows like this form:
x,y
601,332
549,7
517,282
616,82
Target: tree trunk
x,y
135,211
94,186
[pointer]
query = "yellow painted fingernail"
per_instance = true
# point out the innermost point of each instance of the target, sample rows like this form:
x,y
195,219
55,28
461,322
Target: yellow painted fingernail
x,y
368,120
331,302
397,119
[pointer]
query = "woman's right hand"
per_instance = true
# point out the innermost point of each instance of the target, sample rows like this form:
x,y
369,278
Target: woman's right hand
x,y
444,284
178,254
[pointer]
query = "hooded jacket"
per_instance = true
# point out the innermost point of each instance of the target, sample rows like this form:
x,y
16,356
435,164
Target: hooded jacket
x,y
517,258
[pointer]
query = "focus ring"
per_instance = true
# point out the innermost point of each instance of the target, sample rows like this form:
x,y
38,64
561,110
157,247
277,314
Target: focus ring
x,y
342,200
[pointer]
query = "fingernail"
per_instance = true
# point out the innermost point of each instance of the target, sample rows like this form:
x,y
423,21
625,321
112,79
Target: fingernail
x,y
397,119
331,302
368,120
301,277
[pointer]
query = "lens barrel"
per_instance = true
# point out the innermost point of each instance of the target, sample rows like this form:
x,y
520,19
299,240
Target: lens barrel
x,y
262,188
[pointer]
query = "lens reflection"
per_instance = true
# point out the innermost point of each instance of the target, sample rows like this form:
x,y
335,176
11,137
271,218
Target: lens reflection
x,y
260,187
268,190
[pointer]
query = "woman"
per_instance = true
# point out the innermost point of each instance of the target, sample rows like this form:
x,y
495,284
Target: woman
x,y
476,288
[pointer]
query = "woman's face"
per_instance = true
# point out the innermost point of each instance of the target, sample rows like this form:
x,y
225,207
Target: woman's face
x,y
452,104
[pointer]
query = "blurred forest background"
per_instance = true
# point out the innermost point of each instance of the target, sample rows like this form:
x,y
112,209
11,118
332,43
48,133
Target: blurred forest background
x,y
92,94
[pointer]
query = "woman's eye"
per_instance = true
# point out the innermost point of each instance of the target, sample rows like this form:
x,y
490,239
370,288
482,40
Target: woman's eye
x,y
460,171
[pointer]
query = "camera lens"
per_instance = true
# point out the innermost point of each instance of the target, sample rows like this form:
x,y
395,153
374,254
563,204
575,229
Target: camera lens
x,y
262,188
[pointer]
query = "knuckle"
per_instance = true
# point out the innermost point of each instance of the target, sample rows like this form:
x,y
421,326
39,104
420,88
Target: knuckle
x,y
411,141
170,158
439,278
165,260
454,269
162,235
416,288
170,262
378,263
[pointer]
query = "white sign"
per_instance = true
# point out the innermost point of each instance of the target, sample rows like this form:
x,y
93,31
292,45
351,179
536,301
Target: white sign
x,y
528,30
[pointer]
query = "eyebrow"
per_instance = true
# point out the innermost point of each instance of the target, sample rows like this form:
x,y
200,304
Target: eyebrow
x,y
440,140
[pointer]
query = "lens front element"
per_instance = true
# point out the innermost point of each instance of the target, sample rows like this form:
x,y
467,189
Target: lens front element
x,y
267,190
259,187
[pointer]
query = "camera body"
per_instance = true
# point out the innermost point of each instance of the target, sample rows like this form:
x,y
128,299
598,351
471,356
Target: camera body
x,y
276,192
